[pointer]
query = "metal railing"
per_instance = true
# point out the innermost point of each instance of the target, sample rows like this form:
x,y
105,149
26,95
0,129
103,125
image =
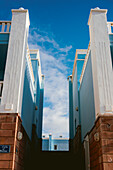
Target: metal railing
x,y
1,87
5,26
110,27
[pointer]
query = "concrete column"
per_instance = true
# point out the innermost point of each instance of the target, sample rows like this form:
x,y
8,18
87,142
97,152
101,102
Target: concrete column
x,y
101,61
50,142
71,117
15,65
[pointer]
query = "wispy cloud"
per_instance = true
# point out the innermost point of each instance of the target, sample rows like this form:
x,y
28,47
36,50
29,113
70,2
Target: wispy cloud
x,y
56,86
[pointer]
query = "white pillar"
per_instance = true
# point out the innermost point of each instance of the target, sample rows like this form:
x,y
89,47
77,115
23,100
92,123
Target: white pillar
x,y
101,61
50,142
15,65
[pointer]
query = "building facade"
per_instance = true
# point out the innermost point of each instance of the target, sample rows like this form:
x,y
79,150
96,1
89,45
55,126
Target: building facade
x,y
21,93
55,144
91,95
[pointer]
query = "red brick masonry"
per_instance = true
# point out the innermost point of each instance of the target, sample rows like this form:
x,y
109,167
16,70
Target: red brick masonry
x,y
10,125
101,152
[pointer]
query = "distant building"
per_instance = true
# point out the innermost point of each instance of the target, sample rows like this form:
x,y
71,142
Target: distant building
x,y
21,91
55,144
91,91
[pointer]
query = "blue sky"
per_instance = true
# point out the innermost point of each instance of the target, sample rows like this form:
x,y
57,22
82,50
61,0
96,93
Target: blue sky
x,y
57,29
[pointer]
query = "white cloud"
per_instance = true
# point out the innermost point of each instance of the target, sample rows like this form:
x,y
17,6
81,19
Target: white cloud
x,y
55,114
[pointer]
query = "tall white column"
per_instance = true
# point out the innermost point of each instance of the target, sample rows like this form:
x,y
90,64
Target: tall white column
x,y
101,61
50,142
15,65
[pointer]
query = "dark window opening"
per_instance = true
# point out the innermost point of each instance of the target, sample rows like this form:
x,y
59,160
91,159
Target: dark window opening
x,y
55,147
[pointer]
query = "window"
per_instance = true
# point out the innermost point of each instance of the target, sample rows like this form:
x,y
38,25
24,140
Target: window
x,y
55,147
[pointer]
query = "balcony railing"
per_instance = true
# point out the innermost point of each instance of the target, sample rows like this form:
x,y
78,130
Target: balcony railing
x,y
110,27
1,87
5,26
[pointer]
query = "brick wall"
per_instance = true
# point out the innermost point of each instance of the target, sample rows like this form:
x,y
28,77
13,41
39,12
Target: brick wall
x,y
101,151
18,158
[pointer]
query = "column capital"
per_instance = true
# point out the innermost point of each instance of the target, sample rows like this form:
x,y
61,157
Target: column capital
x,y
21,10
69,78
96,10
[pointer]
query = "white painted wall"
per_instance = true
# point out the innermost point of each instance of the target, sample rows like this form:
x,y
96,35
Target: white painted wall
x,y
101,62
15,65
